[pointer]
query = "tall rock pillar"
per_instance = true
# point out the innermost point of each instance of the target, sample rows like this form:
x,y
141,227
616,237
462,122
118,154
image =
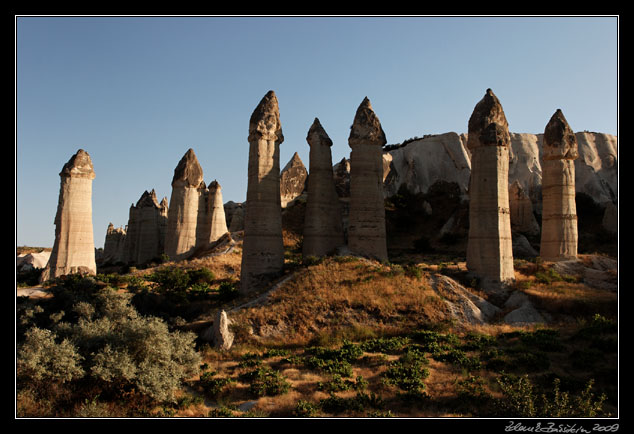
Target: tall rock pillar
x,y
263,249
144,240
182,216
366,229
489,249
323,230
559,212
216,212
74,248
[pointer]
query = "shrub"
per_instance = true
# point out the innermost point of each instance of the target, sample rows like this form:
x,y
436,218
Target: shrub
x,y
170,279
213,386
305,409
335,361
385,345
266,381
227,291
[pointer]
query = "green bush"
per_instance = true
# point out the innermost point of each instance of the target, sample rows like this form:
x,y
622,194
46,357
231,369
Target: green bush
x,y
305,409
265,381
213,386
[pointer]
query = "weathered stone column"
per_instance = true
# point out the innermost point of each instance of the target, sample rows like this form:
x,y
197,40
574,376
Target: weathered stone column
x,y
489,248
114,244
366,229
218,222
74,247
144,240
293,179
263,249
323,230
182,220
559,212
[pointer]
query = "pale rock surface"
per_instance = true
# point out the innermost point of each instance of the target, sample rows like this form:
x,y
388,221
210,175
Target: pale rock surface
x,y
366,227
74,247
293,180
222,337
147,223
596,169
182,221
218,225
522,218
30,261
463,305
114,244
559,214
263,249
489,249
323,230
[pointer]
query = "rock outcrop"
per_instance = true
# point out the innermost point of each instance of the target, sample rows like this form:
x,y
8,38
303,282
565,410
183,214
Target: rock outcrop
x,y
182,221
366,227
293,180
74,247
218,222
323,230
559,213
147,227
522,218
114,245
263,249
489,249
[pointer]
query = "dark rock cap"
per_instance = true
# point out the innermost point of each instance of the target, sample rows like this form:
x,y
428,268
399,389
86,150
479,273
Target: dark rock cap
x,y
317,134
214,185
188,172
559,141
487,124
79,166
366,128
148,199
265,120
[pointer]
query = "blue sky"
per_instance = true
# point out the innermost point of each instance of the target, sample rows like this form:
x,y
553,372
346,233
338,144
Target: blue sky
x,y
137,92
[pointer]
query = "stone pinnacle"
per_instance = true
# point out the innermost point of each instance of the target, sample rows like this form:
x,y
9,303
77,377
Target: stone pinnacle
x,y
265,120
366,128
559,141
188,172
79,166
317,134
488,125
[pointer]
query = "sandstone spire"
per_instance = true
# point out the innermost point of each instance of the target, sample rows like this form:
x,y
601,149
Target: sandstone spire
x,y
180,239
559,213
323,230
489,249
74,248
218,224
292,180
263,249
366,230
113,247
146,229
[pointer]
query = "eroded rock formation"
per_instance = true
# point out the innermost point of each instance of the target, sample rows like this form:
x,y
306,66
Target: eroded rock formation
x,y
292,180
489,248
147,226
182,221
263,249
74,247
218,222
323,231
559,214
114,244
521,208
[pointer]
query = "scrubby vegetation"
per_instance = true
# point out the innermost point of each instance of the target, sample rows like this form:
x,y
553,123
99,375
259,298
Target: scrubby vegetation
x,y
343,337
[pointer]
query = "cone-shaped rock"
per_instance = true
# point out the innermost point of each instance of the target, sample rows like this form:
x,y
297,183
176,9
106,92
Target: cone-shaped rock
x,y
366,228
263,249
323,230
74,247
292,180
490,248
559,212
218,224
147,223
182,221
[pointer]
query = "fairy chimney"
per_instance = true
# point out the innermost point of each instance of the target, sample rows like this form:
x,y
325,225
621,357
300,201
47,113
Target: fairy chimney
x,y
489,248
323,231
263,249
74,247
182,220
146,229
218,221
366,227
559,212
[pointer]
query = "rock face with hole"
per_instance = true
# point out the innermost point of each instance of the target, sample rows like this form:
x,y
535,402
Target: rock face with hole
x,y
74,247
489,249
366,219
263,250
182,221
559,213
323,230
